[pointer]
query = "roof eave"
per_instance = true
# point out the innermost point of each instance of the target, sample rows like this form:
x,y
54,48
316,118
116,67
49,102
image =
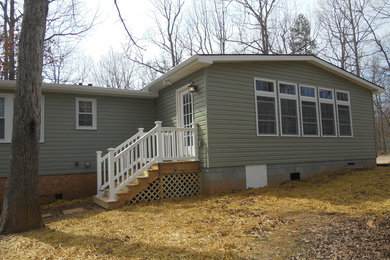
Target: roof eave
x,y
82,89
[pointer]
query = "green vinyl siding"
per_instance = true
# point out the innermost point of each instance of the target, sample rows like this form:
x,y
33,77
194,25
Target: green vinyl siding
x,y
232,136
166,108
117,119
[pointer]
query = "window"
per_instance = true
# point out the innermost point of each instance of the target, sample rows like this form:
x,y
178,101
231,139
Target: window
x,y
328,122
2,118
344,113
309,111
266,107
86,113
288,102
6,117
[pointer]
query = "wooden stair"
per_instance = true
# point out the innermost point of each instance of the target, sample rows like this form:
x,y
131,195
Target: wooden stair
x,y
131,189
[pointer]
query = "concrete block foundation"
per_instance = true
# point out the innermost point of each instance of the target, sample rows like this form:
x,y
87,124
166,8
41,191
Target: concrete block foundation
x,y
226,179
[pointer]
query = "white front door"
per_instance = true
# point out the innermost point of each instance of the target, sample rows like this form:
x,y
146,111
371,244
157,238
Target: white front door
x,y
186,109
186,120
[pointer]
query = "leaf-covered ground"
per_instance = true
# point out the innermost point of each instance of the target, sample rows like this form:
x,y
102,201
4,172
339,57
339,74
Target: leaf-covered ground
x,y
344,215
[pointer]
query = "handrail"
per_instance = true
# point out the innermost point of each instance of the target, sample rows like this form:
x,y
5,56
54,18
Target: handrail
x,y
124,163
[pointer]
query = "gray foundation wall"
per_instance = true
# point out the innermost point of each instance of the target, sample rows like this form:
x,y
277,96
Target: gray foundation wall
x,y
226,179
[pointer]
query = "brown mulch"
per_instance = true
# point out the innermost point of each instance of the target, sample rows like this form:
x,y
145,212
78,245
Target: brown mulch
x,y
342,237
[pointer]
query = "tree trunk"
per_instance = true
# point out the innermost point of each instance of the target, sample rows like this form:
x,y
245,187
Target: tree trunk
x,y
21,211
11,38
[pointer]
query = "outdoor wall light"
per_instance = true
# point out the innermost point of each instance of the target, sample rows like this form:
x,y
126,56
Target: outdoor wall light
x,y
192,87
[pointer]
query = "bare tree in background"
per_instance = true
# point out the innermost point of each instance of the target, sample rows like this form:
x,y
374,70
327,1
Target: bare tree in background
x,y
67,23
346,33
208,27
115,70
67,20
21,210
259,24
9,37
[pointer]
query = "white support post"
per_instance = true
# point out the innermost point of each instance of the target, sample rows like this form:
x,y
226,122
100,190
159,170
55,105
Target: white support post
x,y
99,172
195,144
159,141
111,194
140,132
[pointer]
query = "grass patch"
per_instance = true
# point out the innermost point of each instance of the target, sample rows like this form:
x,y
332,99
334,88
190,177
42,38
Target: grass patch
x,y
258,223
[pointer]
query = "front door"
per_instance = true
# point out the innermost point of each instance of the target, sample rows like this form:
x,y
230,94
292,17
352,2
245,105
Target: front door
x,y
186,120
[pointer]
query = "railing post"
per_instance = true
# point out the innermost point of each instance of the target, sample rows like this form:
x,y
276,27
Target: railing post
x,y
141,132
111,193
159,141
195,145
99,172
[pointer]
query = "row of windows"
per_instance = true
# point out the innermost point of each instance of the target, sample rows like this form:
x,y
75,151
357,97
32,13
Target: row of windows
x,y
303,110
85,116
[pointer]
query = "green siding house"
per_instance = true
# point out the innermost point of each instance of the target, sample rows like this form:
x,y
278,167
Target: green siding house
x,y
250,121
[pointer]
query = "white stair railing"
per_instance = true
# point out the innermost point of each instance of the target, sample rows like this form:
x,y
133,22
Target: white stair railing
x,y
123,164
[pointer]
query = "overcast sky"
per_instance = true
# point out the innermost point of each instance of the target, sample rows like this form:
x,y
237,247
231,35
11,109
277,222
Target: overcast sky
x,y
109,33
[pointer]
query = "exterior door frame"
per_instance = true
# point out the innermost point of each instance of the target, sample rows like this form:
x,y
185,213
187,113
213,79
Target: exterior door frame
x,y
179,106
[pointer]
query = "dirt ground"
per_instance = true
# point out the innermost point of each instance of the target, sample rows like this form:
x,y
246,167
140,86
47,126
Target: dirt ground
x,y
343,215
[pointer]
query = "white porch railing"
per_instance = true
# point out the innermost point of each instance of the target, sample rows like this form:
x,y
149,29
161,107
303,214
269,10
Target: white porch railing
x,y
124,163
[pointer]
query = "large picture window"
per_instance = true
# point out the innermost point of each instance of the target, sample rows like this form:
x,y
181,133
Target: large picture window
x,y
86,113
344,113
327,112
266,107
288,102
309,109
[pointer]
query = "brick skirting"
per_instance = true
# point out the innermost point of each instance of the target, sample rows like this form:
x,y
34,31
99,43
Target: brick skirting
x,y
65,186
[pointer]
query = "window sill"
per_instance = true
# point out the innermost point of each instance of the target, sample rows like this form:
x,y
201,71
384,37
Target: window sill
x,y
86,128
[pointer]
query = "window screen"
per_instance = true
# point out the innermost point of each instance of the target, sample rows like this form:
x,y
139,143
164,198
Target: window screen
x,y
345,127
85,113
326,94
307,92
327,120
289,116
287,89
342,96
266,115
266,86
309,118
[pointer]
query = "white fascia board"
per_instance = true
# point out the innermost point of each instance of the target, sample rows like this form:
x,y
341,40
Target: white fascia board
x,y
178,72
347,75
82,89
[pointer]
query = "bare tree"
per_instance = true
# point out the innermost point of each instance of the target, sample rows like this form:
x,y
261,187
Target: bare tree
x,y
9,38
208,27
345,31
66,20
259,24
115,70
21,210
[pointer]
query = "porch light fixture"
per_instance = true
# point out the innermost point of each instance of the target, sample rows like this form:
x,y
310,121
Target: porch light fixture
x,y
192,88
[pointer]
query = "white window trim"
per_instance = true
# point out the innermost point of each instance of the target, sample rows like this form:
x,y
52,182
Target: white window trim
x,y
291,97
328,101
345,103
94,114
9,118
179,109
266,94
311,99
42,131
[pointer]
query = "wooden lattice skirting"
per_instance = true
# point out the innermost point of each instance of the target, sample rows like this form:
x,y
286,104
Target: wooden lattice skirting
x,y
170,186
